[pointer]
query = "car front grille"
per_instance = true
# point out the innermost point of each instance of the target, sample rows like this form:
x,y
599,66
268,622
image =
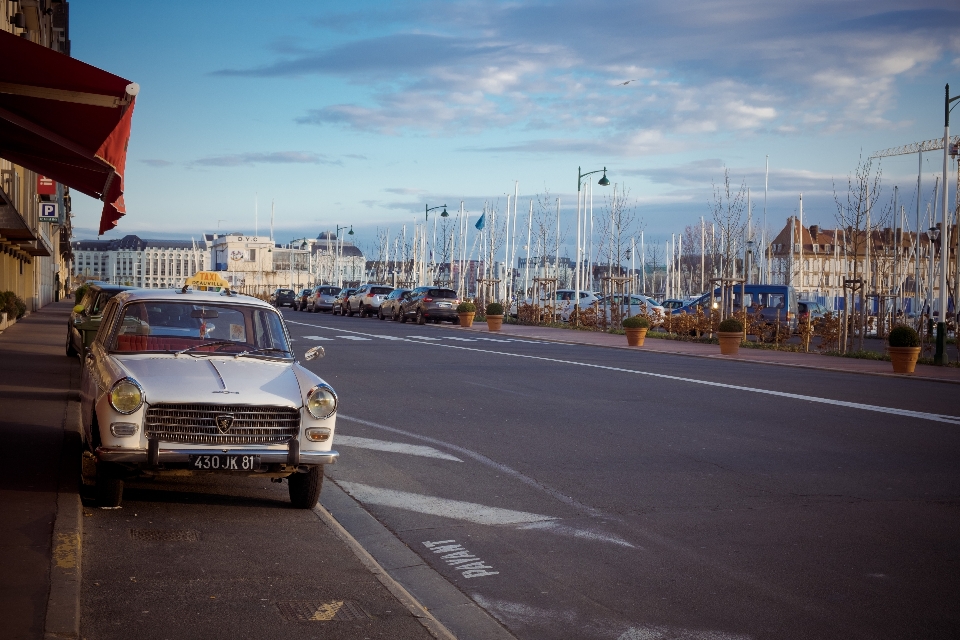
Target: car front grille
x,y
197,424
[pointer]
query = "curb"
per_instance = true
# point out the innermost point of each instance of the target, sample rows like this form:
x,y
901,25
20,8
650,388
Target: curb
x,y
426,593
63,602
895,376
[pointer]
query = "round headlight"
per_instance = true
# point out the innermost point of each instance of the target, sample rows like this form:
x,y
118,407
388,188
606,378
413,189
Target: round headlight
x,y
126,396
321,402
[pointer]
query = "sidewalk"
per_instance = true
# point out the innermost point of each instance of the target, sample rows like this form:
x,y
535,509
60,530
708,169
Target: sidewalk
x,y
695,349
44,548
37,383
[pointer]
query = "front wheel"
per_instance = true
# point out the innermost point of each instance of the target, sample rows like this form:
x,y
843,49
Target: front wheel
x,y
380,314
71,352
420,318
109,488
396,314
305,488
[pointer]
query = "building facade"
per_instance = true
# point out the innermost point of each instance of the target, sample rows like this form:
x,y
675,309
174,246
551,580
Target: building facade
x,y
34,248
132,261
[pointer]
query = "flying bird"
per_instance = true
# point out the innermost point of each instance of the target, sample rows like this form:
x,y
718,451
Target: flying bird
x,y
629,81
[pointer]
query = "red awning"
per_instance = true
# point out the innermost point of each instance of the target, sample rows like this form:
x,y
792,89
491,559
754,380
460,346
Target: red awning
x,y
66,120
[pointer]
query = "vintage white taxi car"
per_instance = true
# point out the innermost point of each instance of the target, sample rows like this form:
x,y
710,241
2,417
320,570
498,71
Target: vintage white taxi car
x,y
184,381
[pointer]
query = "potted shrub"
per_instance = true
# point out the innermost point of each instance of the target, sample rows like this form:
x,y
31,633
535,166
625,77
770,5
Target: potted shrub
x,y
730,332
904,348
466,310
494,316
636,328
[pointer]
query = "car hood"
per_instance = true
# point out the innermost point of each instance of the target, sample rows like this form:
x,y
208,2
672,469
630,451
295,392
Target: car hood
x,y
186,379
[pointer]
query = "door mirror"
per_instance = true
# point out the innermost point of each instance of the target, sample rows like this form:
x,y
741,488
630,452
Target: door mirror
x,y
78,309
313,353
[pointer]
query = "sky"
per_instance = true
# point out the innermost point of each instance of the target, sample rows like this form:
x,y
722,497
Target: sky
x,y
362,113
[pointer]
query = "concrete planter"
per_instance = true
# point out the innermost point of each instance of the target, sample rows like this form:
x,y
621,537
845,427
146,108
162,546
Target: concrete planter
x,y
466,318
3,321
904,359
494,322
635,337
730,342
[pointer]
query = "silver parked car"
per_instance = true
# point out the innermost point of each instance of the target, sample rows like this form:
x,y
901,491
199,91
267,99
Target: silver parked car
x,y
366,300
322,298
190,382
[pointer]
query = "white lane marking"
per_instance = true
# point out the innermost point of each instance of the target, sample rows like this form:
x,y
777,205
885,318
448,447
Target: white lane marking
x,y
907,413
460,339
316,338
460,559
393,447
444,507
583,534
418,338
482,459
352,338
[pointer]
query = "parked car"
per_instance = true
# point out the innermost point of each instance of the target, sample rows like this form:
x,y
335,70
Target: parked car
x,y
564,302
390,307
282,297
432,304
810,308
775,302
194,382
635,304
366,299
322,297
302,299
340,301
86,315
671,304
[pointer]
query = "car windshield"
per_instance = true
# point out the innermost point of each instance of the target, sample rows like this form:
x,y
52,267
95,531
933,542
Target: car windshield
x,y
168,326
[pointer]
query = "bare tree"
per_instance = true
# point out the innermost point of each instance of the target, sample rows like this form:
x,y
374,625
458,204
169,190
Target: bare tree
x,y
857,219
727,211
617,225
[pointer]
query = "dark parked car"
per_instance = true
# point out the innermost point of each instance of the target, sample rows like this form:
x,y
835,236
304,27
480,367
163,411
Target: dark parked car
x,y
322,298
390,307
302,299
340,302
430,303
284,297
810,308
85,319
367,298
775,302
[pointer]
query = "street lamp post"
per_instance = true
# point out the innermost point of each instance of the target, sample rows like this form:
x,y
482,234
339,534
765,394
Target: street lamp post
x,y
940,356
340,252
603,182
427,210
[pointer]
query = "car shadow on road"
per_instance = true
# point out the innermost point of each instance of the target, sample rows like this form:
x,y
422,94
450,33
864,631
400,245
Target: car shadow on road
x,y
172,495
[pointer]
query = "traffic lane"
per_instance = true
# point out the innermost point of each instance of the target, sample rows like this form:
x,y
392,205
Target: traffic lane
x,y
776,572
218,556
675,435
900,392
763,499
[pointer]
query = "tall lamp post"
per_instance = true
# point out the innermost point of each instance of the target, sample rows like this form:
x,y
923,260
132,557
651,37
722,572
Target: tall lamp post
x,y
749,265
603,182
340,252
940,356
427,210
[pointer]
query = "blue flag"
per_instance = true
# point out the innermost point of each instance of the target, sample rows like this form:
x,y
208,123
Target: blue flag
x,y
479,224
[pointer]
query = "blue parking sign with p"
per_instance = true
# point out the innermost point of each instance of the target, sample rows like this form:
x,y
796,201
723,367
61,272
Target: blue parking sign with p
x,y
48,211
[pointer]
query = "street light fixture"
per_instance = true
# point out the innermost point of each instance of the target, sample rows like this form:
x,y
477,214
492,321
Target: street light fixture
x,y
340,252
427,210
603,182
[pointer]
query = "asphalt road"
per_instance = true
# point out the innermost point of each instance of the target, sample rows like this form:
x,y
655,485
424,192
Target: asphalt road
x,y
576,491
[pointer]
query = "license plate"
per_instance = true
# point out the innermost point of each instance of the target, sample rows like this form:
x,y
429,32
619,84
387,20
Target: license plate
x,y
444,304
221,462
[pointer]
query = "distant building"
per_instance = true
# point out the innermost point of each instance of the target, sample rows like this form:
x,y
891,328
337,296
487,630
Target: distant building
x,y
154,264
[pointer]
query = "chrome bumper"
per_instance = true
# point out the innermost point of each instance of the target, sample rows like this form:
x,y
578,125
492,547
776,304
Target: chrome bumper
x,y
267,456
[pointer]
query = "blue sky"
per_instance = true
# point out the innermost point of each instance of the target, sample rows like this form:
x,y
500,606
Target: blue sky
x,y
359,113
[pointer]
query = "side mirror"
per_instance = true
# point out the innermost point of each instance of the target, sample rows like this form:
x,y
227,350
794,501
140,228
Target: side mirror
x,y
313,353
78,308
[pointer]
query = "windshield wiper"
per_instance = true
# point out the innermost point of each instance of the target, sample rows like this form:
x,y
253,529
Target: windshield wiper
x,y
253,351
205,344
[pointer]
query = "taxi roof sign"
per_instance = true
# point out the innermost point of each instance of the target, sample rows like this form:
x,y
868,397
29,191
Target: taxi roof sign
x,y
206,280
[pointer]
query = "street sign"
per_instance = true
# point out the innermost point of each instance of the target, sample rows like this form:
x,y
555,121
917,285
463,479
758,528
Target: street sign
x,y
46,186
48,212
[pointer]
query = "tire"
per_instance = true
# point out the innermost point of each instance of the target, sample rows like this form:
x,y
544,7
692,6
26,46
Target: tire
x,y
349,310
403,317
396,314
420,318
363,312
305,488
109,487
380,314
71,352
